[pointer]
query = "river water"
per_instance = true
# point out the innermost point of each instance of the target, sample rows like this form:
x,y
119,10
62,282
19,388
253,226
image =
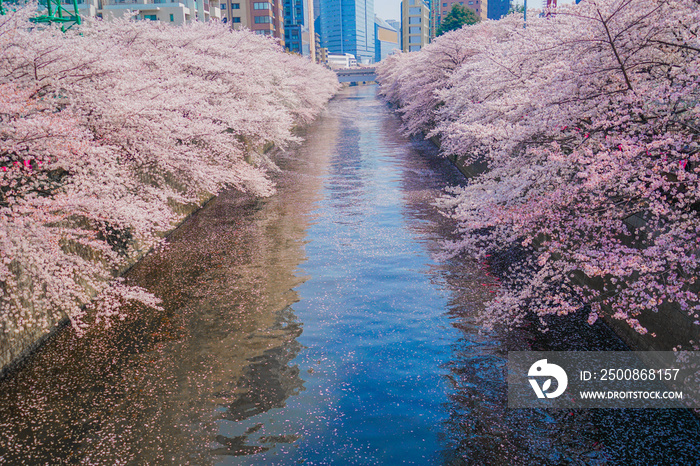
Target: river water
x,y
317,327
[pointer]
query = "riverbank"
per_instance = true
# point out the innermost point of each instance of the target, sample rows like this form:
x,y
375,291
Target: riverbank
x,y
592,169
317,326
668,327
102,155
16,349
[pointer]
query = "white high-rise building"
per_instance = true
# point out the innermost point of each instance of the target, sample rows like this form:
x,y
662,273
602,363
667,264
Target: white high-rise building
x,y
167,11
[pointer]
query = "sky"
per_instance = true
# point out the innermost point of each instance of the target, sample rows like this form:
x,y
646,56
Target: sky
x,y
388,9
391,9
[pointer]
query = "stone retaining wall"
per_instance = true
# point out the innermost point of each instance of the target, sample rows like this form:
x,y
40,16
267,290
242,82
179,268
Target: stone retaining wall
x,y
15,346
671,326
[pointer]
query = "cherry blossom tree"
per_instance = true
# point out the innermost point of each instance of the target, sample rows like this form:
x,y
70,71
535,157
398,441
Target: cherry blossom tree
x,y
588,124
107,131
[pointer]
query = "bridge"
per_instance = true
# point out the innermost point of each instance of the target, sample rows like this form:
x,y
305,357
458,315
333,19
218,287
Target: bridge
x,y
356,75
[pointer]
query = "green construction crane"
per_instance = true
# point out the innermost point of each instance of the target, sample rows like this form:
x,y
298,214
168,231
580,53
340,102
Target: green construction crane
x,y
56,13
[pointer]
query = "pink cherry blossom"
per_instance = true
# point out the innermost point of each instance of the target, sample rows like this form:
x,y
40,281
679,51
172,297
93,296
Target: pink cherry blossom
x,y
118,124
588,123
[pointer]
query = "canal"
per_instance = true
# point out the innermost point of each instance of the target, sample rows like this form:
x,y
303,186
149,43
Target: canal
x,y
317,327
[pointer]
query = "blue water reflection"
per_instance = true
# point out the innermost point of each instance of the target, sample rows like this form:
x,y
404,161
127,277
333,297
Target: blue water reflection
x,y
317,327
375,330
396,368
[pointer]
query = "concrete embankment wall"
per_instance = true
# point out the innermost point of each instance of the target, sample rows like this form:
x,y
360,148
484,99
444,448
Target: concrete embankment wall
x,y
15,346
666,329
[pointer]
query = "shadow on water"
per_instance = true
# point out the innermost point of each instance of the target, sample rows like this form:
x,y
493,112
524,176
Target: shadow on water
x,y
316,326
151,389
480,429
267,382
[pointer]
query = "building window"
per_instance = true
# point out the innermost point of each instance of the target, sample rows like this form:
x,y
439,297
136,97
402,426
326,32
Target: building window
x,y
414,10
263,20
261,6
471,3
236,19
172,18
414,48
414,30
414,39
444,5
414,20
235,6
151,17
223,6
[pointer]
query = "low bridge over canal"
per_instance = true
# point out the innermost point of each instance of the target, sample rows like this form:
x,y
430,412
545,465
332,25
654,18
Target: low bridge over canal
x,y
356,75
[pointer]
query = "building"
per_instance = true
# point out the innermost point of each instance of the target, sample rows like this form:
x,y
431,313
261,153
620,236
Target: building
x,y
299,33
397,27
347,26
234,12
265,18
172,11
294,22
317,48
322,55
89,9
497,9
415,22
386,39
336,61
317,25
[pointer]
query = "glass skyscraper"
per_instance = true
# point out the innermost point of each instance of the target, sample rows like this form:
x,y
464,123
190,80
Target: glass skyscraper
x,y
347,26
294,21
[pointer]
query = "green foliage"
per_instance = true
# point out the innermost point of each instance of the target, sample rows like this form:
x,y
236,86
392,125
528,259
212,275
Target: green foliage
x,y
516,8
457,17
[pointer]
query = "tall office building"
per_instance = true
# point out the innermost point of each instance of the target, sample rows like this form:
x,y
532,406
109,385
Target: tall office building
x,y
299,27
320,50
347,26
317,10
264,18
415,22
396,24
293,24
497,9
386,39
